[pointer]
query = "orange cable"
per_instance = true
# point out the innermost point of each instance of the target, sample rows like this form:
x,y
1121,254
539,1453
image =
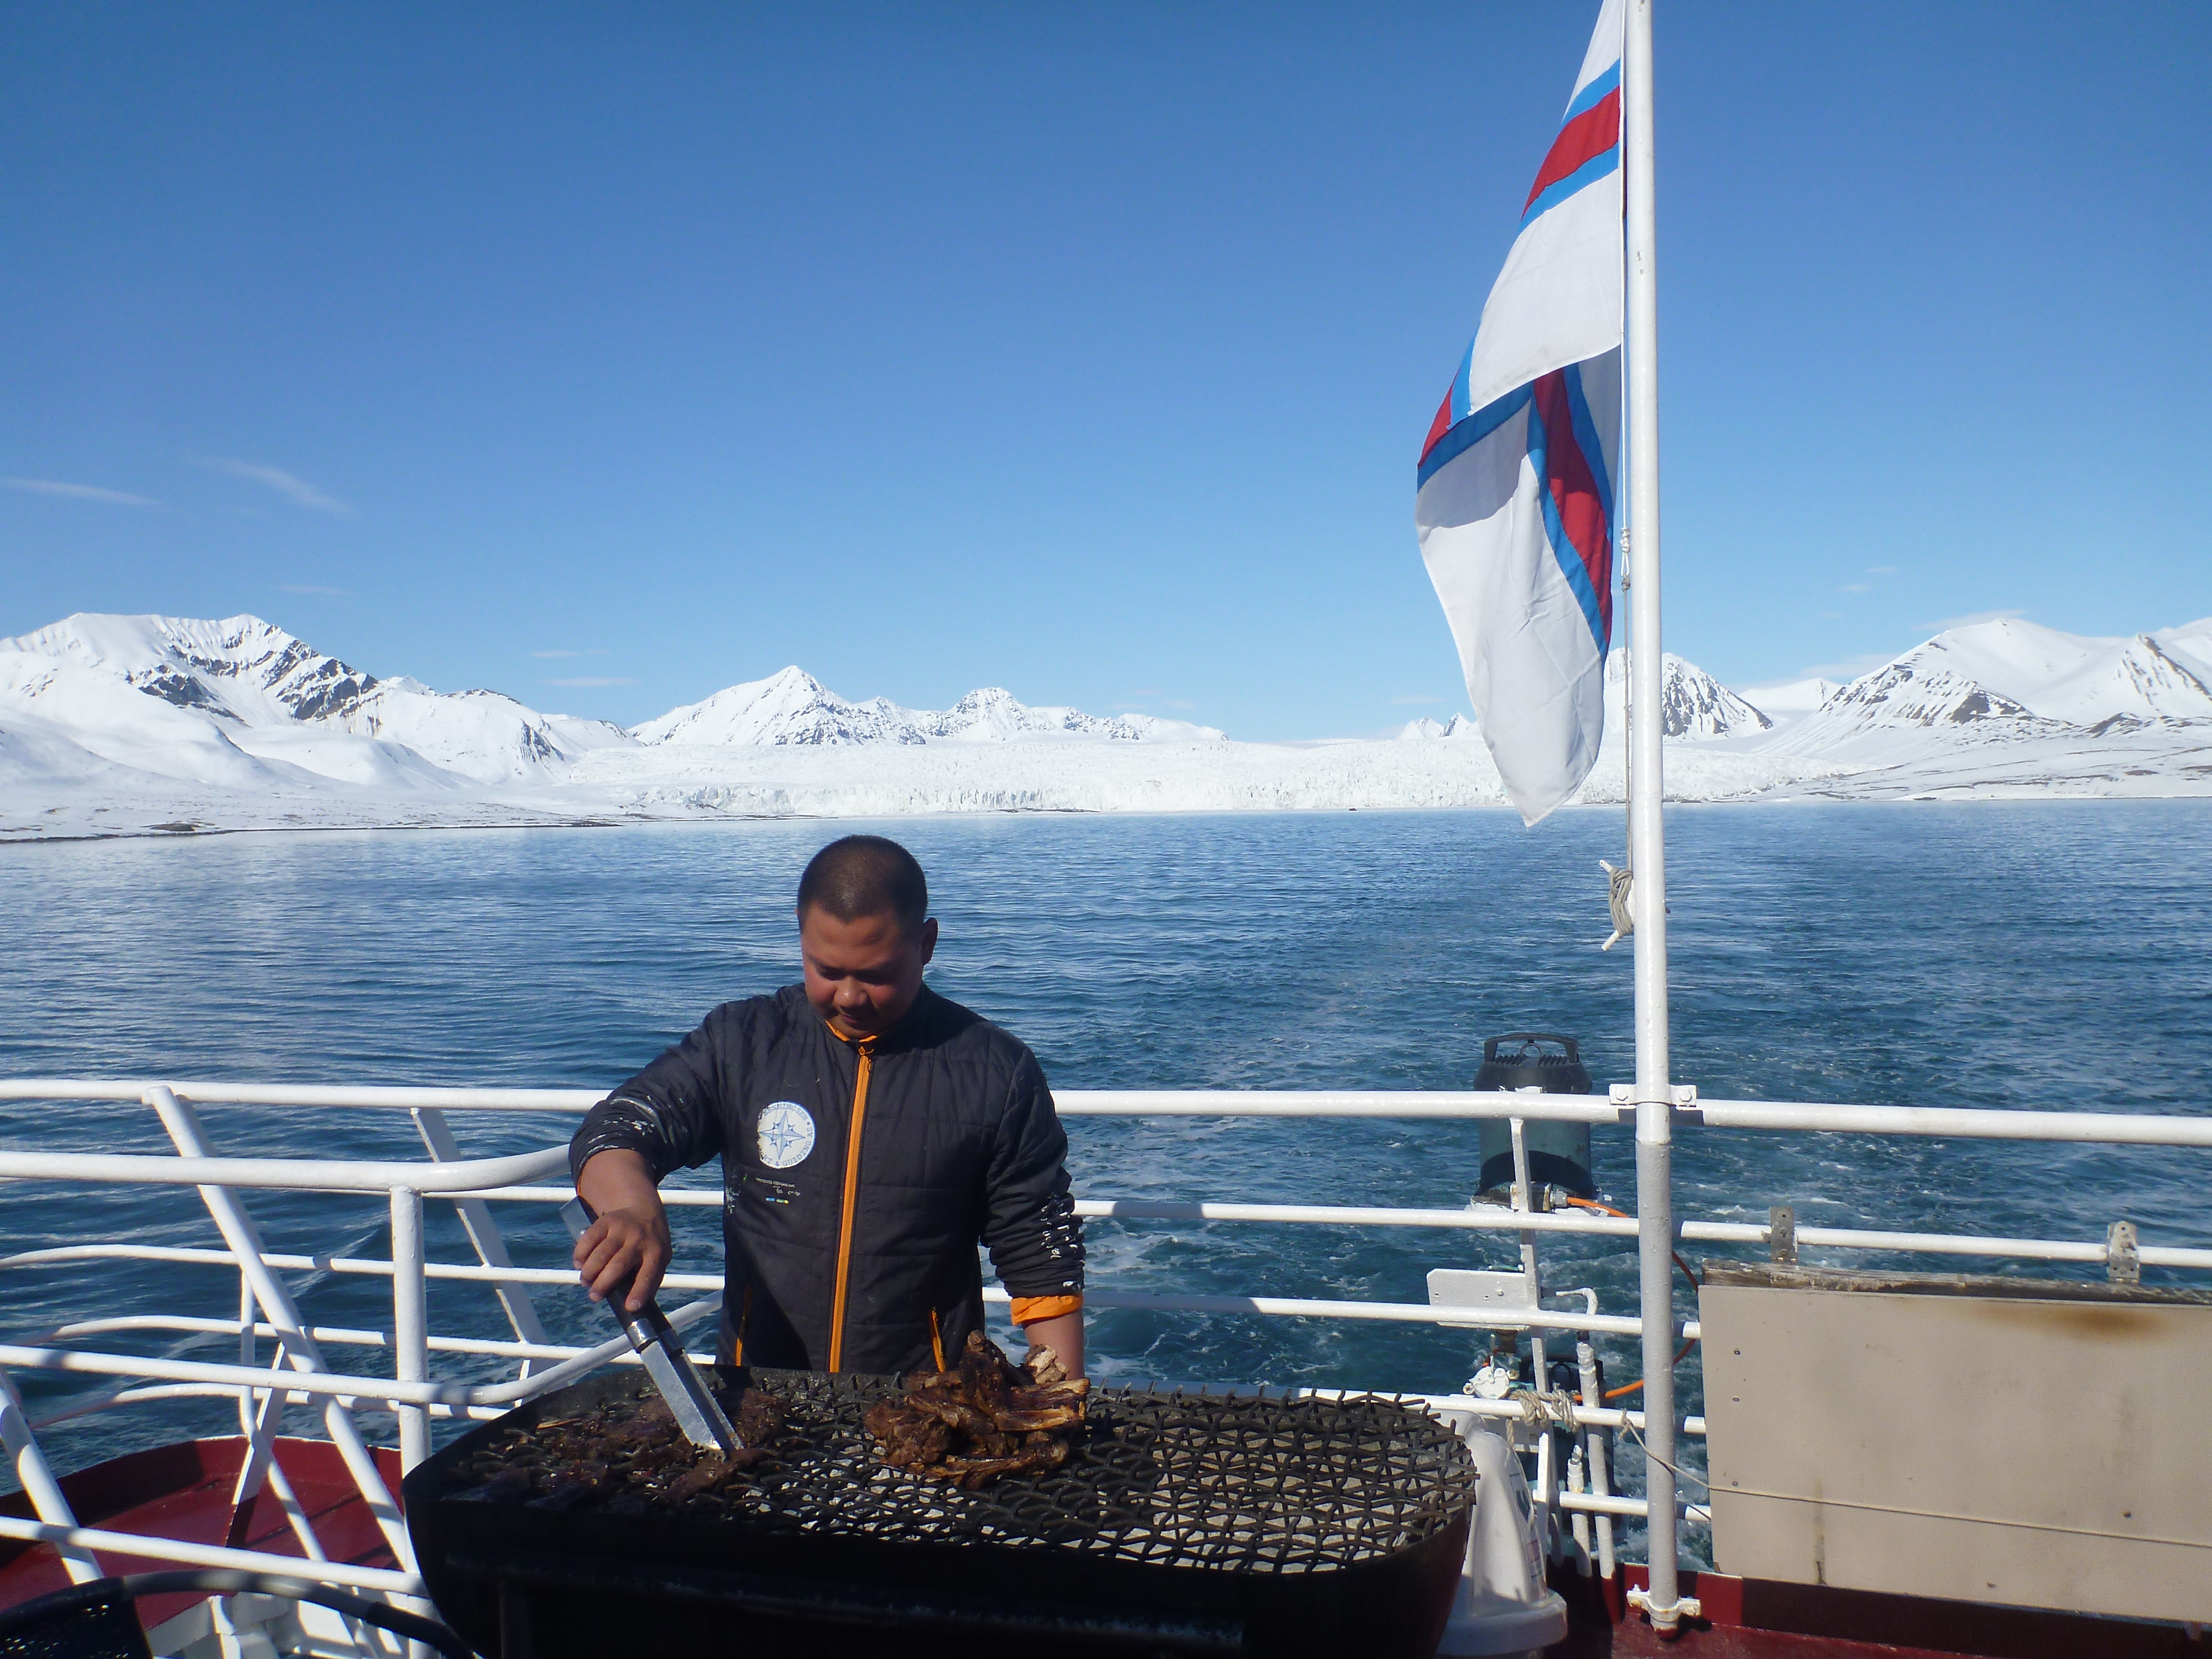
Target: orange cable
x,y
1608,1209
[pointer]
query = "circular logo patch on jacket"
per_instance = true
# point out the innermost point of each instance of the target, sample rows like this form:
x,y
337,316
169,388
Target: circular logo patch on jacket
x,y
785,1135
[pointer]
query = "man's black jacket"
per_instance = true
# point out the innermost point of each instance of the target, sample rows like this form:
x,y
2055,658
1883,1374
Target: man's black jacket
x,y
857,1178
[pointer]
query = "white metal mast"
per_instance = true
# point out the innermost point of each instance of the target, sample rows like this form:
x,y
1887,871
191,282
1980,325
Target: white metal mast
x,y
1654,1093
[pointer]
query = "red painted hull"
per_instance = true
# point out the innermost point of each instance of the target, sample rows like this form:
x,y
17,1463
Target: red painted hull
x,y
183,1492
1753,1619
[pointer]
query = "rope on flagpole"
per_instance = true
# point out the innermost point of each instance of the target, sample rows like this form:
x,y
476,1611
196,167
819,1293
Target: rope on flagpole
x,y
1620,886
1620,880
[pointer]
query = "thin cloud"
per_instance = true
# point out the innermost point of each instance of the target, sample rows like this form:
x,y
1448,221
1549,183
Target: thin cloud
x,y
588,682
544,656
1412,702
289,485
77,492
1882,570
308,587
1855,587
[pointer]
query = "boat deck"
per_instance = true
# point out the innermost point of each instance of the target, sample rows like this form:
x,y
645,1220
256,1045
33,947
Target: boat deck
x,y
183,1492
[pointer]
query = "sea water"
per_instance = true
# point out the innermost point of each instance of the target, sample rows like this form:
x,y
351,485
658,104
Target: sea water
x,y
2050,956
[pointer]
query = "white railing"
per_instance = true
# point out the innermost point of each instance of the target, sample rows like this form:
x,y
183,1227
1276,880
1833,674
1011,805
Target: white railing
x,y
300,1376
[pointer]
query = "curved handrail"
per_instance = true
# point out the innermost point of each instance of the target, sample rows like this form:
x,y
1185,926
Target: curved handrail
x,y
289,1094
307,1174
1972,1123
339,1384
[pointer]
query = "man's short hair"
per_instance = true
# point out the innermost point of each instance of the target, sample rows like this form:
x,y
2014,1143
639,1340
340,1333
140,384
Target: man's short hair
x,y
866,876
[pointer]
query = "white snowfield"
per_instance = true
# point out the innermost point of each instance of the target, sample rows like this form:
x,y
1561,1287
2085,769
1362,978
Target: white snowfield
x,y
135,725
795,708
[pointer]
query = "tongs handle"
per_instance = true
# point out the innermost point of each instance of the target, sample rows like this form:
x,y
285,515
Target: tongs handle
x,y
698,1414
649,1323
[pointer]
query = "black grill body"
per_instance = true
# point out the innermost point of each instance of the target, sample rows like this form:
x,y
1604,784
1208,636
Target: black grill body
x,y
1181,1523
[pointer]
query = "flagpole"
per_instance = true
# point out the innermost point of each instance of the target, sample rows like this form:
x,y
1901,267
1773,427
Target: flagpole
x,y
1654,1096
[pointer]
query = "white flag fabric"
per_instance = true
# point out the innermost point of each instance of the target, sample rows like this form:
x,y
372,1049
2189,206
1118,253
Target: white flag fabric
x,y
1515,491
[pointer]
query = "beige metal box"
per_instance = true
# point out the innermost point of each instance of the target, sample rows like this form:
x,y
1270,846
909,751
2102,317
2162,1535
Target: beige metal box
x,y
2023,1441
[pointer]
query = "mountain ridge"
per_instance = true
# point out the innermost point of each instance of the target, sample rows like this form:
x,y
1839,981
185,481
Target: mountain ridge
x,y
128,724
792,708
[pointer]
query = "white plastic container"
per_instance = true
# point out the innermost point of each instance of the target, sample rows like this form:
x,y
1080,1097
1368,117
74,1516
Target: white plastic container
x,y
1503,1605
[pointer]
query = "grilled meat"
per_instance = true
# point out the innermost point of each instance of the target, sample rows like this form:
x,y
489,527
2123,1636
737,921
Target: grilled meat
x,y
983,1419
975,1473
909,1437
759,1417
625,1458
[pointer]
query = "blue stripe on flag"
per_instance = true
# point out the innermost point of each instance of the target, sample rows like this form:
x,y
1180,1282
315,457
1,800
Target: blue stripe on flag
x,y
1563,550
1582,176
1589,97
1472,431
1578,410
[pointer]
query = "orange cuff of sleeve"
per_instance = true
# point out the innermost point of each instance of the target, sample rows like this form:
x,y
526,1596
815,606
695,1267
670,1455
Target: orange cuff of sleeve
x,y
1028,1309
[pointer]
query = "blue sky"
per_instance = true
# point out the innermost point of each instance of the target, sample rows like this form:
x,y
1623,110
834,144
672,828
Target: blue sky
x,y
607,355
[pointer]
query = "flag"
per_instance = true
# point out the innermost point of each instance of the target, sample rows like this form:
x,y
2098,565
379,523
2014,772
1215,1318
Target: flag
x,y
1514,501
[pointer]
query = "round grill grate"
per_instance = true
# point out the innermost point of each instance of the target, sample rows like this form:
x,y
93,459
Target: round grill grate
x,y
1256,1483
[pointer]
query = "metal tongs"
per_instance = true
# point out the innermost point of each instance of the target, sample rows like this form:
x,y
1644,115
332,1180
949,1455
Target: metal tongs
x,y
697,1412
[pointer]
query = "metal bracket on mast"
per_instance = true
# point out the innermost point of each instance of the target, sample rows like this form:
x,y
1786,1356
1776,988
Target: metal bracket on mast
x,y
1680,1101
1683,1607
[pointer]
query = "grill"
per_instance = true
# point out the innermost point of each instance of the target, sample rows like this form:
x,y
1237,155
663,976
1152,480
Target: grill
x,y
1181,1523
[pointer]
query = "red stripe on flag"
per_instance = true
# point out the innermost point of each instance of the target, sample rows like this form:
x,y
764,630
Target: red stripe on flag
x,y
1437,428
1589,135
1574,490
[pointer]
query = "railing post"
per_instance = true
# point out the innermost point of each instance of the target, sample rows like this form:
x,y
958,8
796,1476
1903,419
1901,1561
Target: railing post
x,y
1594,1444
244,1240
483,1232
37,1479
411,1326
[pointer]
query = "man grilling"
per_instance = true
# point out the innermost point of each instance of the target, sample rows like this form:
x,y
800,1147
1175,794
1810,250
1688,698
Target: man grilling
x,y
872,1135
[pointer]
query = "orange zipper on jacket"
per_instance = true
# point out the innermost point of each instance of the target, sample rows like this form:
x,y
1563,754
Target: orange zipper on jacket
x,y
865,1049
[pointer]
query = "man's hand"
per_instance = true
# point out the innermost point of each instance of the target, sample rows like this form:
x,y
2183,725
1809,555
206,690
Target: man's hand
x,y
1063,1335
629,1240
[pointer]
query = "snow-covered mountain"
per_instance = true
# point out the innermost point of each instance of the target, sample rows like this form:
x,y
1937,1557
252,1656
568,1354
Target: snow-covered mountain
x,y
2191,643
1790,701
2010,681
793,707
128,724
243,703
992,714
1696,705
